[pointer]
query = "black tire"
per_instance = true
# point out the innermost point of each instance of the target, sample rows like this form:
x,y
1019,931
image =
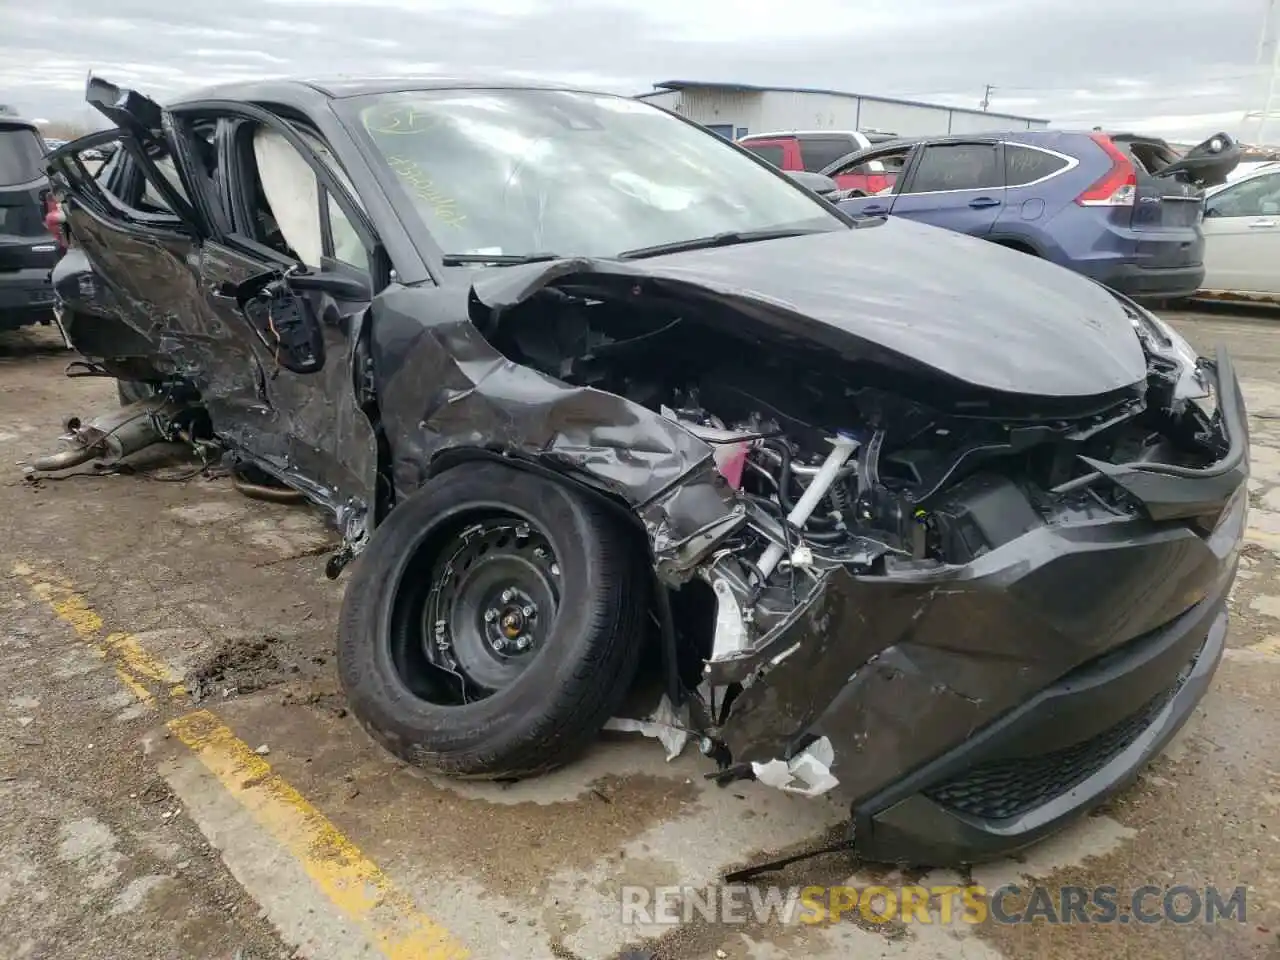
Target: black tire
x,y
131,391
580,669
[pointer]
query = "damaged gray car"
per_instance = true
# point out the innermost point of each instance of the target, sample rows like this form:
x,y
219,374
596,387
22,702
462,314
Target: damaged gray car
x,y
894,514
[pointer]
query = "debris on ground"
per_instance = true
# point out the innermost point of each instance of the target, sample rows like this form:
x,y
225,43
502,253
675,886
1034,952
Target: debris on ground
x,y
236,666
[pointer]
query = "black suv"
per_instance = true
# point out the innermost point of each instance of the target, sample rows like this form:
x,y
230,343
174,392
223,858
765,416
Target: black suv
x,y
27,250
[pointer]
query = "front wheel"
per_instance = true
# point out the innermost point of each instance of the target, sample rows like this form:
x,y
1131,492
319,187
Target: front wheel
x,y
493,623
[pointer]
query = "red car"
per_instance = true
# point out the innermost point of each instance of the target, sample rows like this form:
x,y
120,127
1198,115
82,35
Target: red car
x,y
812,150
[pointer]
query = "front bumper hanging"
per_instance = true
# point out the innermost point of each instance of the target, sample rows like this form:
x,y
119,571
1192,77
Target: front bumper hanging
x,y
968,711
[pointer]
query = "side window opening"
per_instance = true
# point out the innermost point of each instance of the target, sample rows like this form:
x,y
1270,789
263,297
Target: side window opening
x,y
201,145
343,243
1259,197
957,166
293,213
109,179
287,201
1023,165
151,196
882,163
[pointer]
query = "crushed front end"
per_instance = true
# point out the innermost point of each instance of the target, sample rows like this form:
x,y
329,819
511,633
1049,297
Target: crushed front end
x,y
970,612
972,626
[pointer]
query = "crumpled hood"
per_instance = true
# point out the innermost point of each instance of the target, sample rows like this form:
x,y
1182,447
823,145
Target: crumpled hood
x,y
991,317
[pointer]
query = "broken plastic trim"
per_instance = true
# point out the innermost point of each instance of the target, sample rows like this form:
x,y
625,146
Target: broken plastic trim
x,y
1233,424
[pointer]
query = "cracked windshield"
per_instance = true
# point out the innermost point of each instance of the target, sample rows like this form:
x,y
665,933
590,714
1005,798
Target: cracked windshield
x,y
514,173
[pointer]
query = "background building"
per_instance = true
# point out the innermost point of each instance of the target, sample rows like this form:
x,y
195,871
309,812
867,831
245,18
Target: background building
x,y
735,110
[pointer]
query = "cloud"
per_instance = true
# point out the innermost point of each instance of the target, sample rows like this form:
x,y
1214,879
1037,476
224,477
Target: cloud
x,y
1090,62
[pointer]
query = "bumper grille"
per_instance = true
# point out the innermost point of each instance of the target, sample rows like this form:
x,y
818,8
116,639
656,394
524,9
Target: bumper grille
x,y
1009,788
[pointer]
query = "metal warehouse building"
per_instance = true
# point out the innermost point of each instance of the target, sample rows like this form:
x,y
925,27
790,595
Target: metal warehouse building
x,y
735,110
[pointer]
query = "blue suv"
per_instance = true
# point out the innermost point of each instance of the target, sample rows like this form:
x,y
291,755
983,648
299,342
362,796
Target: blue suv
x,y
1122,209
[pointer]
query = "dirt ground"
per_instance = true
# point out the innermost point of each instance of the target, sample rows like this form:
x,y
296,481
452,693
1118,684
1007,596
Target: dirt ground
x,y
179,777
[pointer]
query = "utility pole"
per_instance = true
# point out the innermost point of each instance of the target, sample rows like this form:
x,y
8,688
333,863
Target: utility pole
x,y
1268,69
986,97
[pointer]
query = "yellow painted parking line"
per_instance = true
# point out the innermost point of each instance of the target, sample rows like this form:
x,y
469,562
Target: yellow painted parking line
x,y
351,881
354,884
137,669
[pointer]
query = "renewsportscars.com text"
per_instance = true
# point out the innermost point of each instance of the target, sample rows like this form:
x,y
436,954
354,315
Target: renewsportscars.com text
x,y
942,904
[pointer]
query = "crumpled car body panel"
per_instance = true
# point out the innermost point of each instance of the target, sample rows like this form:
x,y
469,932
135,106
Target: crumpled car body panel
x,y
443,386
900,294
141,314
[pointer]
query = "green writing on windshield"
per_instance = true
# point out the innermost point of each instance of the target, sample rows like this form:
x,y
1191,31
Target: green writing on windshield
x,y
423,188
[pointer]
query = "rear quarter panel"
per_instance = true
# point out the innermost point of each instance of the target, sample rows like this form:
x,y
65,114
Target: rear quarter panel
x,y
1045,217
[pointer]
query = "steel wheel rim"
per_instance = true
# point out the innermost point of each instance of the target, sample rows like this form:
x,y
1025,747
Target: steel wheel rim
x,y
492,603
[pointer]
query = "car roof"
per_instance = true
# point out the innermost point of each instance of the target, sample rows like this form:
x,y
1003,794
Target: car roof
x,y
18,122
1263,168
302,89
806,133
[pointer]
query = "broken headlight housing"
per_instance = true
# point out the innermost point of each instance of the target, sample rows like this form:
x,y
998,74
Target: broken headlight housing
x,y
1158,337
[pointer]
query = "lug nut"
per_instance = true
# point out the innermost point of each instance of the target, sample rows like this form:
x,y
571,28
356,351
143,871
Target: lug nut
x,y
528,611
490,616
523,643
508,595
555,569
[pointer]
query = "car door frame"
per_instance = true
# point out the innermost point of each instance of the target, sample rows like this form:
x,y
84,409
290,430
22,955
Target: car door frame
x,y
286,441
141,119
997,205
878,205
153,304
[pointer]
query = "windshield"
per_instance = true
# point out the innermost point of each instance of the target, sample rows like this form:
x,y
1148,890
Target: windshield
x,y
523,172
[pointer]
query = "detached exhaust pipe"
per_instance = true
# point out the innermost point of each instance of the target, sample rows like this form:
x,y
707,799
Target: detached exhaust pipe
x,y
259,491
64,459
112,437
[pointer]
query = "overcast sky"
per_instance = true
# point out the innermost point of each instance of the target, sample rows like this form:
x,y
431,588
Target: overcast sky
x,y
1181,68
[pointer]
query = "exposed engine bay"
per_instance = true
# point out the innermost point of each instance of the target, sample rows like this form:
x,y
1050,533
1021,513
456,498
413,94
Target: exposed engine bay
x,y
850,465
839,461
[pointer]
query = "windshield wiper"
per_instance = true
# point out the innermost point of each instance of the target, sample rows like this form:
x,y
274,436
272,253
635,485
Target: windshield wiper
x,y
502,259
726,239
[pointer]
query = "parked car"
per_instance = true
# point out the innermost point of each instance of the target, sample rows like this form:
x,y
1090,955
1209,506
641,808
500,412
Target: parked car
x,y
937,525
814,150
1122,209
27,251
1242,238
